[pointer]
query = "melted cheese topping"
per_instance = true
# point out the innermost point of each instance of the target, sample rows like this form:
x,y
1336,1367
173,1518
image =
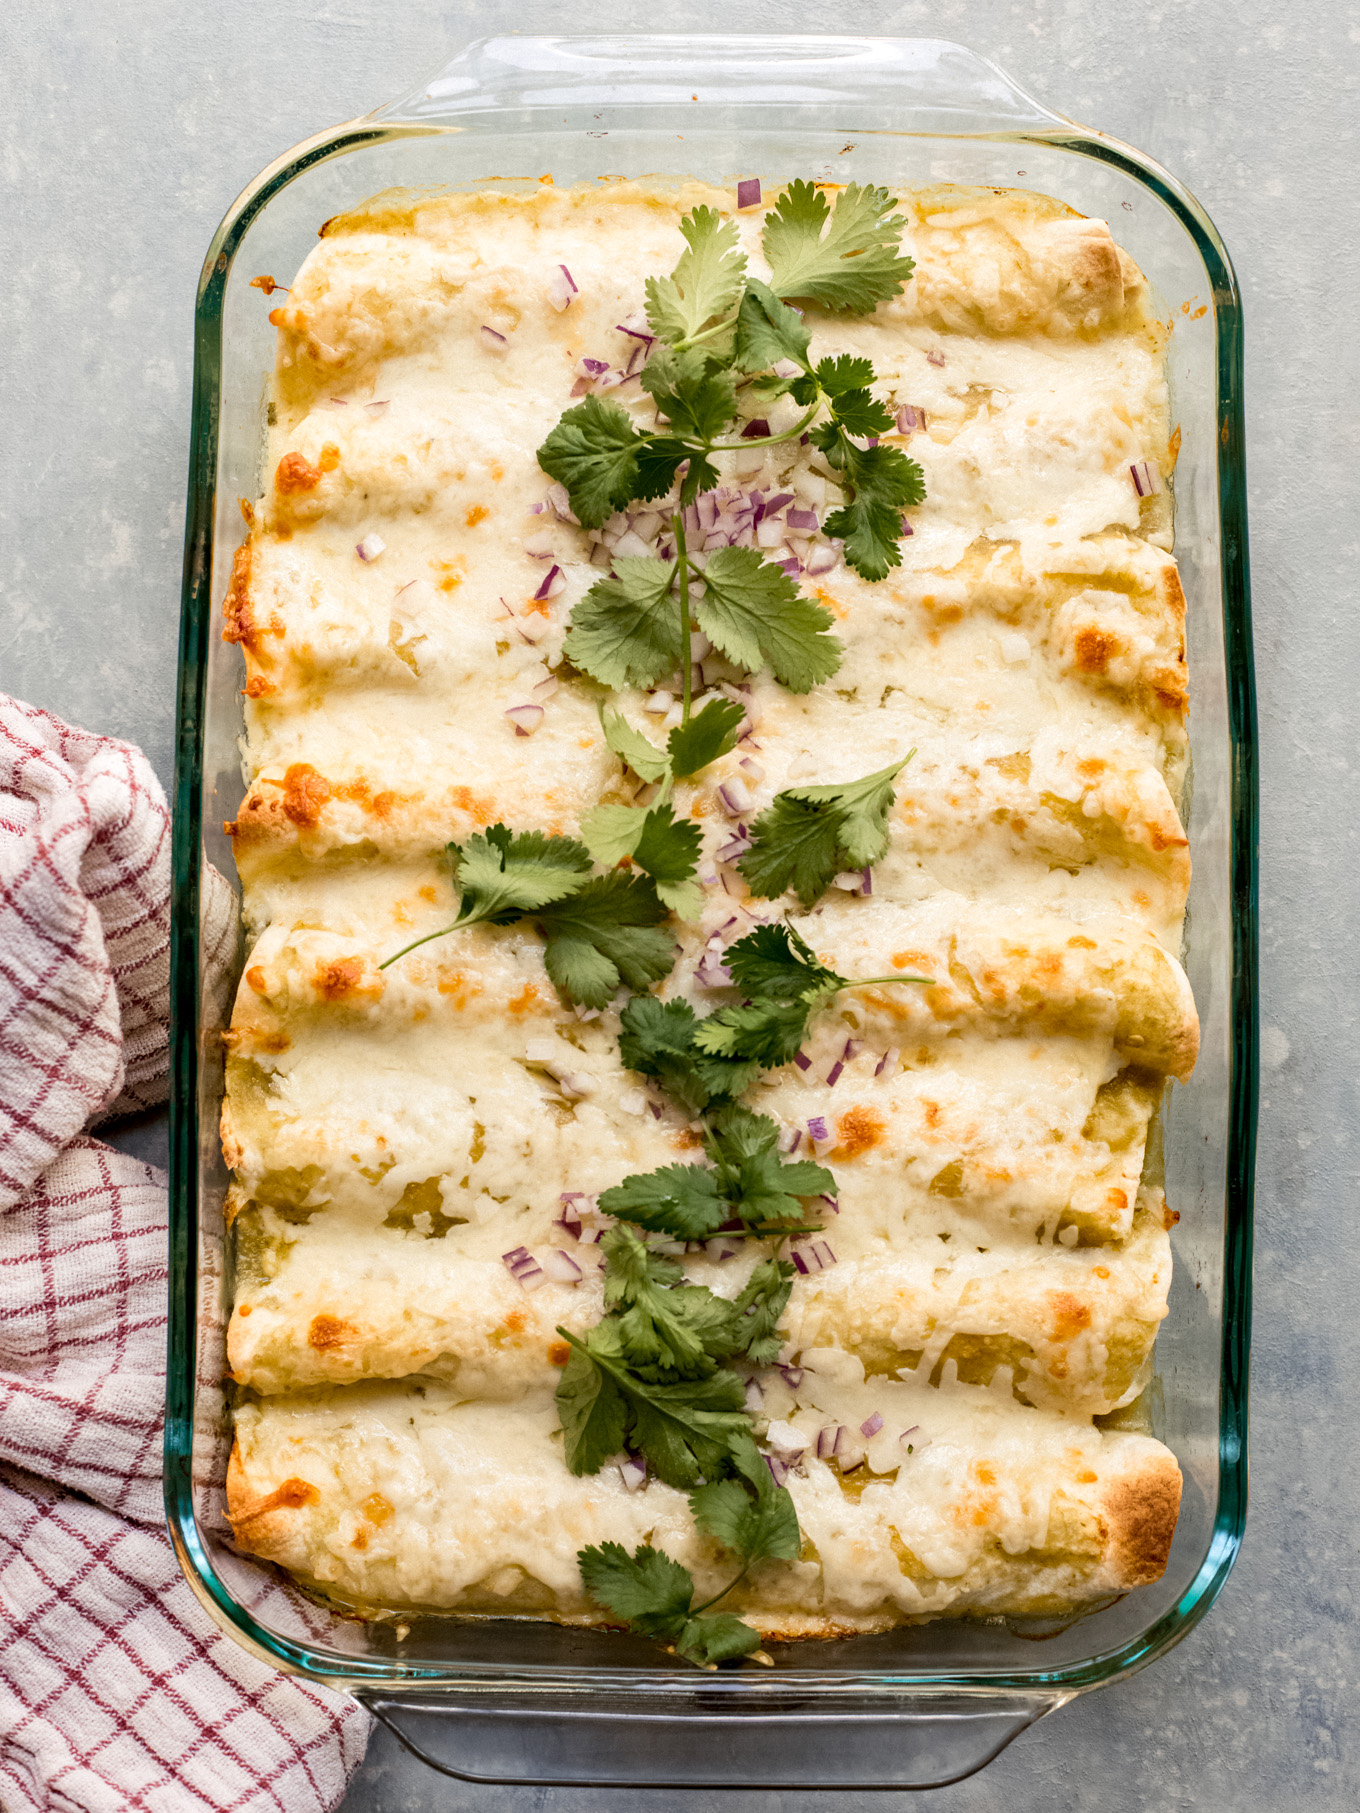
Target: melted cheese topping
x,y
1001,1264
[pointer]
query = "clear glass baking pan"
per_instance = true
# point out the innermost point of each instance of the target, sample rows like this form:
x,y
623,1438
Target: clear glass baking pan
x,y
506,1700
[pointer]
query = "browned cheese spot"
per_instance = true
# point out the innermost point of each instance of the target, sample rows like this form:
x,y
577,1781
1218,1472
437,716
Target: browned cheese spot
x,y
305,793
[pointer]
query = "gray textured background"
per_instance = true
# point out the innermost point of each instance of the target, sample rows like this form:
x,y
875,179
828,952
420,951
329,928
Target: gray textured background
x,y
130,125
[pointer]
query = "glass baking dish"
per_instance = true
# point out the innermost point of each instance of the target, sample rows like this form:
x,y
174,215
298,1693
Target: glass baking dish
x,y
518,1701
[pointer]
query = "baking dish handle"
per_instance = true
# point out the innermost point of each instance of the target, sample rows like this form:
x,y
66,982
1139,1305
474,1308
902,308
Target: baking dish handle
x,y
922,85
926,1741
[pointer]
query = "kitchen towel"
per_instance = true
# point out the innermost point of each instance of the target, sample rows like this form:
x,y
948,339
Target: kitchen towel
x,y
117,1691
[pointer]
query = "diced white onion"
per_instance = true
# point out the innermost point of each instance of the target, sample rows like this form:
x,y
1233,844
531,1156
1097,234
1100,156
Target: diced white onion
x,y
1014,648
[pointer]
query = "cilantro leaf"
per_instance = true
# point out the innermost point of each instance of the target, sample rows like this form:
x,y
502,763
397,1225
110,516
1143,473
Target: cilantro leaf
x,y
503,874
691,392
664,847
774,960
719,1637
753,613
685,1429
659,458
844,257
680,1200
611,832
840,376
710,733
604,934
809,834
591,1408
646,1589
769,331
663,1326
668,851
860,412
749,1514
637,751
593,451
658,1039
882,482
705,282
760,1184
760,1306
626,630
764,1033
655,1595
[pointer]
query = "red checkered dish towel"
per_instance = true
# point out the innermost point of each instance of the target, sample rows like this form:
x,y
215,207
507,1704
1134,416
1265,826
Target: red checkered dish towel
x,y
116,1690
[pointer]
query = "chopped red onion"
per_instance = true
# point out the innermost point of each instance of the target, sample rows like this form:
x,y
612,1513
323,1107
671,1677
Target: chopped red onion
x,y
734,796
756,429
498,339
821,560
791,1139
792,566
793,1376
889,1058
786,368
748,192
755,1397
833,1076
812,1256
633,330
370,547
561,1267
907,528
523,1267
378,407
817,1129
802,1060
633,1473
909,419
579,388
868,886
935,358
776,503
871,1425
525,718
338,402
592,368
552,583
801,519
567,1220
829,1440
722,1249
711,974
1146,480
779,1469
737,845
562,288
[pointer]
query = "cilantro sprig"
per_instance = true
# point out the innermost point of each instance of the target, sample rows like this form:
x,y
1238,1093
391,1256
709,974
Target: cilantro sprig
x,y
599,931
719,331
746,1182
652,837
654,1594
810,834
786,983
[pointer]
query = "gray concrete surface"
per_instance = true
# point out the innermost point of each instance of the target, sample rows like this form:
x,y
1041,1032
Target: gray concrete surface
x,y
127,129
